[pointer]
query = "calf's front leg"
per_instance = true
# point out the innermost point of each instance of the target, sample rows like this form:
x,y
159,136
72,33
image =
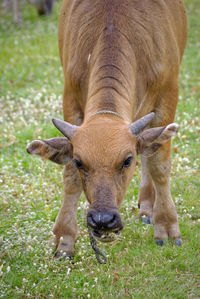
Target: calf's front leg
x,y
165,218
65,228
59,150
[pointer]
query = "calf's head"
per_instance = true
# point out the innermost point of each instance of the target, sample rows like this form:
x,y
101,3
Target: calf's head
x,y
104,151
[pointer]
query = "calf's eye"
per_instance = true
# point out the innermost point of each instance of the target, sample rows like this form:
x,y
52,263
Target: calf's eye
x,y
127,162
78,164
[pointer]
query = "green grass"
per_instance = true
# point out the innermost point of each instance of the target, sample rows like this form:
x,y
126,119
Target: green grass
x,y
31,85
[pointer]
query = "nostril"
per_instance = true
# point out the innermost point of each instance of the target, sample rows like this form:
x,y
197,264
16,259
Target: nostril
x,y
113,222
91,221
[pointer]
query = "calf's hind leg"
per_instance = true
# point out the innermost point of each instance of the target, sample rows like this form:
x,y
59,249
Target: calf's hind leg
x,y
65,228
146,196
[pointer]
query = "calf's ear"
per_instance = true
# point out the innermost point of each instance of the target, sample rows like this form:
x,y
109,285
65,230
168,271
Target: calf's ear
x,y
152,139
58,150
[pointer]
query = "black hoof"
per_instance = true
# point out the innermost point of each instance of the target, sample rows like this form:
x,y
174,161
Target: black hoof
x,y
146,220
159,242
178,242
63,255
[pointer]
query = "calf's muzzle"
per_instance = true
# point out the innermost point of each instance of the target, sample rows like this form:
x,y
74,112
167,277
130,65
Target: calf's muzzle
x,y
104,220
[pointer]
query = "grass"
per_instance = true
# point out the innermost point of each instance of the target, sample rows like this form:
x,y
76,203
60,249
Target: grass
x,y
31,190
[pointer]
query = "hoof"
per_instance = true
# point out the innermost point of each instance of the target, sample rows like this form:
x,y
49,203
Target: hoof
x,y
159,242
178,242
146,220
63,255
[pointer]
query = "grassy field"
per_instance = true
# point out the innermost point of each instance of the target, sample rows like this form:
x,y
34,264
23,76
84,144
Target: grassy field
x,y
31,83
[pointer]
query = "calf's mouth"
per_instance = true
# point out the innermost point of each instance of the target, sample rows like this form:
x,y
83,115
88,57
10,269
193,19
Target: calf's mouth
x,y
106,236
106,226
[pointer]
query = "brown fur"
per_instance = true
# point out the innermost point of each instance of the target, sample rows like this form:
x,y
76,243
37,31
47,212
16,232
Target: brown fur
x,y
123,56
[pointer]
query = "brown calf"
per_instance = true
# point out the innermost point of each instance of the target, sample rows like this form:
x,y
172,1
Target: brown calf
x,y
121,63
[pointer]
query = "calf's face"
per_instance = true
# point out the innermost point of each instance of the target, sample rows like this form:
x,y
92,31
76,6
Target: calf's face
x,y
104,153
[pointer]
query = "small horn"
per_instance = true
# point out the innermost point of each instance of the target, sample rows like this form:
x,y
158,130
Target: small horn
x,y
64,127
141,123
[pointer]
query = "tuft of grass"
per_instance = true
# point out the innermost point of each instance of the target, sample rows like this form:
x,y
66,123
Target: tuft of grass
x,y
31,190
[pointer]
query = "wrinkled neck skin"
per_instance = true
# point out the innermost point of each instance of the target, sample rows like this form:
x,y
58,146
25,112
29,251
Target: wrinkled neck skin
x,y
110,87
